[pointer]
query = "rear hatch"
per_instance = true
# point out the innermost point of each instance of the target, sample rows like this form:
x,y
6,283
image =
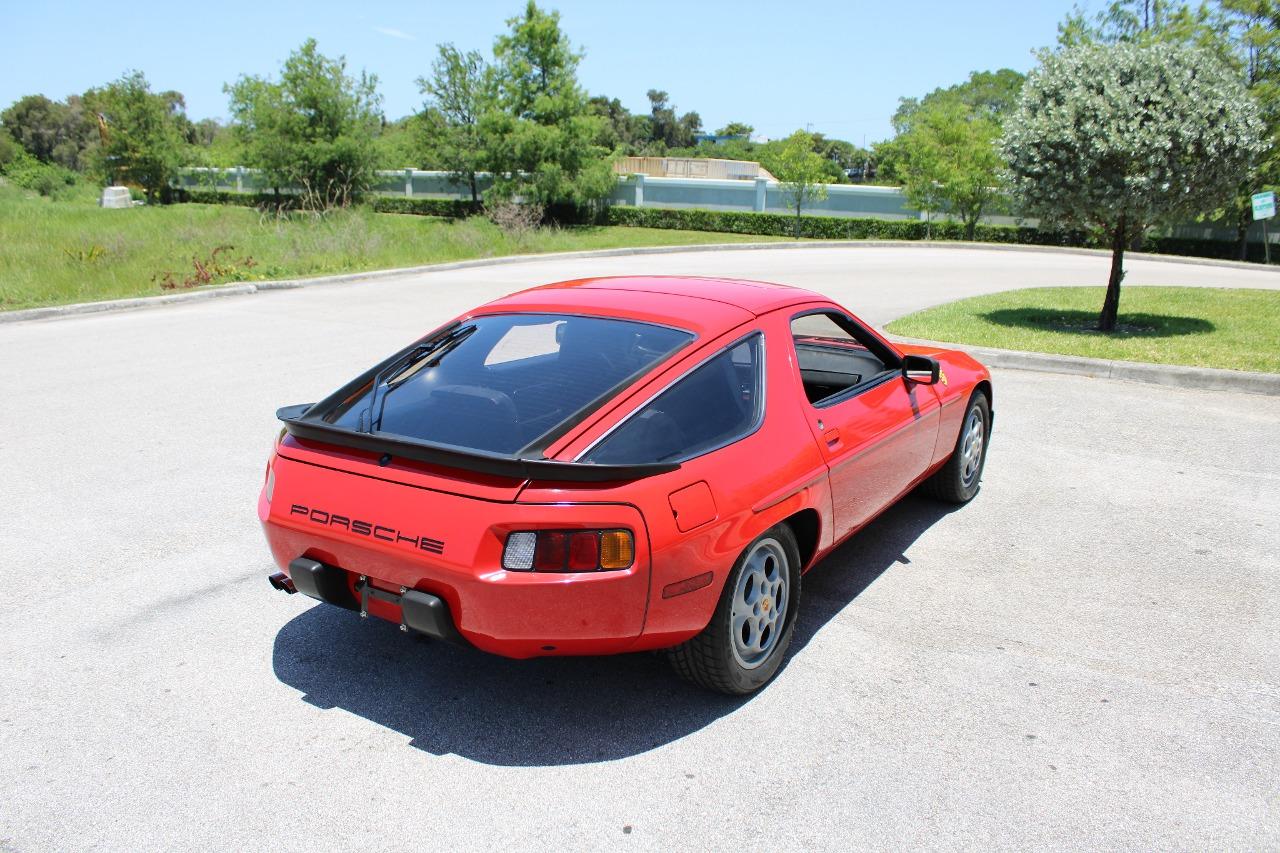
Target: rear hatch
x,y
407,524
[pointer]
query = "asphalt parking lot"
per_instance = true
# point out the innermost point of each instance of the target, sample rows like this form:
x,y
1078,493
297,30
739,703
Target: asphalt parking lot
x,y
1088,655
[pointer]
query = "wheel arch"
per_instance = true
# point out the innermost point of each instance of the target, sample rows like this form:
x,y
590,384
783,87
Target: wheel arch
x,y
984,387
805,525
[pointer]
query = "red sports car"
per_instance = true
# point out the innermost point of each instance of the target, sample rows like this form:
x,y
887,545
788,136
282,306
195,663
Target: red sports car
x,y
617,464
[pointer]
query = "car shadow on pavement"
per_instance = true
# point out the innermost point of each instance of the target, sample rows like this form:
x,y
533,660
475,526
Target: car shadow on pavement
x,y
548,711
840,578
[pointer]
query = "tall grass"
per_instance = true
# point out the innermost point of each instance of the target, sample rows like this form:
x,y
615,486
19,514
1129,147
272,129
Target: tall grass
x,y
70,250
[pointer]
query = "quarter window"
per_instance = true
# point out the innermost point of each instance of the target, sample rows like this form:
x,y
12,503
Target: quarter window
x,y
717,404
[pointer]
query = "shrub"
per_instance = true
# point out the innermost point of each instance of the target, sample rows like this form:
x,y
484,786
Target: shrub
x,y
8,148
446,207
515,220
47,179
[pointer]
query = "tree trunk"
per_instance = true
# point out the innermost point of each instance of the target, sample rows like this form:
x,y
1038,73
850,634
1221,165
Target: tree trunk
x,y
1243,218
797,234
475,195
1111,305
970,227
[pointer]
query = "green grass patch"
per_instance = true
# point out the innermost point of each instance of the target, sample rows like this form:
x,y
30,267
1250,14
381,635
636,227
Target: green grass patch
x,y
70,250
1197,326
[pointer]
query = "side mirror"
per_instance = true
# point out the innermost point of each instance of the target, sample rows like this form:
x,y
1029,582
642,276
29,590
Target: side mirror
x,y
920,369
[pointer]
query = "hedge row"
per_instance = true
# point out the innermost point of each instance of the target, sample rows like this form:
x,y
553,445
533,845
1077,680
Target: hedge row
x,y
828,227
447,207
857,228
765,224
451,208
233,198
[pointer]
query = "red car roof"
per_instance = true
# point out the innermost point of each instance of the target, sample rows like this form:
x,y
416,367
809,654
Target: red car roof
x,y
706,306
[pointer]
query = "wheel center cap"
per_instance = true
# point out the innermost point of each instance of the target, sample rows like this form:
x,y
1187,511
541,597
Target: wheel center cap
x,y
765,604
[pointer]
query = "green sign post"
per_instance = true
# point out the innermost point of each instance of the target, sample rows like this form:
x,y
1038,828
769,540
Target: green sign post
x,y
1264,207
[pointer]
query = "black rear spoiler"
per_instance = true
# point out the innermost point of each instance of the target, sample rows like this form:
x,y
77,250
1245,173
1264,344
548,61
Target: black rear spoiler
x,y
298,424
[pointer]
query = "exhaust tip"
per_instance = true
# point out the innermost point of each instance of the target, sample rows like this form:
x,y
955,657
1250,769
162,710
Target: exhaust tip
x,y
282,581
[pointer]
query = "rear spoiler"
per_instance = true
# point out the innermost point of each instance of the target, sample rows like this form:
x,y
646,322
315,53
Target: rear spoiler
x,y
298,424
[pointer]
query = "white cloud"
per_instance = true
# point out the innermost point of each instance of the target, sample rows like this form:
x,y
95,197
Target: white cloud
x,y
394,33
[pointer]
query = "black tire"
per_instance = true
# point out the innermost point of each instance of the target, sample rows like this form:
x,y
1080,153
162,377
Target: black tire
x,y
958,481
713,659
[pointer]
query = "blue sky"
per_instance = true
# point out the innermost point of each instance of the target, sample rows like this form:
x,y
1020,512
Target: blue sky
x,y
839,66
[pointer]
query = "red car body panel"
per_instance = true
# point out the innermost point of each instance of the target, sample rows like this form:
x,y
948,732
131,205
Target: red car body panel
x,y
830,470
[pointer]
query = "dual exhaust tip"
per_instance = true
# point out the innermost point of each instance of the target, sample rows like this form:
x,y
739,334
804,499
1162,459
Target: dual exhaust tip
x,y
283,582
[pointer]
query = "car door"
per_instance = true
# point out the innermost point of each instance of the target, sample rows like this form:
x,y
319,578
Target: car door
x,y
876,430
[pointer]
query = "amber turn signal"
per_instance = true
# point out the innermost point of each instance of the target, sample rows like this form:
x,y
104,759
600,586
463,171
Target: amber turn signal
x,y
617,550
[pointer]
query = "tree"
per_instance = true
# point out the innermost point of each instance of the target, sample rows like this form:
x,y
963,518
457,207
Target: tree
x,y
736,128
457,93
52,131
409,143
538,134
948,158
985,98
1141,22
144,142
619,129
666,129
988,94
1122,137
800,172
1251,29
313,130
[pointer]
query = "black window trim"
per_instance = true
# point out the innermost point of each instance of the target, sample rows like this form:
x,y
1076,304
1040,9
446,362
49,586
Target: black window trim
x,y
861,335
751,430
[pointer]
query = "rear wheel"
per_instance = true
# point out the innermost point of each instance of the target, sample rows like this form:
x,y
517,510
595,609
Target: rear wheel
x,y
748,636
958,480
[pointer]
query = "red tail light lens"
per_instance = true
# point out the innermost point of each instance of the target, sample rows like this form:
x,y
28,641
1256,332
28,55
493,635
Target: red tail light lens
x,y
568,550
549,554
584,551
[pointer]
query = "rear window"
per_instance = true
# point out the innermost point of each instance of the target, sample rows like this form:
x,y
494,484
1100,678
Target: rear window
x,y
502,383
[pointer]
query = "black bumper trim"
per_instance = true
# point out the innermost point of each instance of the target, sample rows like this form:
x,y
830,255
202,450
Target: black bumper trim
x,y
419,611
429,614
322,582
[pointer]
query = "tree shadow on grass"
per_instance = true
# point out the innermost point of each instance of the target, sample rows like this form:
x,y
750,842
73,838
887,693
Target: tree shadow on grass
x,y
1130,325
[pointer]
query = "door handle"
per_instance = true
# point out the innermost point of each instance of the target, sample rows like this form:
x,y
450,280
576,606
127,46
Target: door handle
x,y
831,437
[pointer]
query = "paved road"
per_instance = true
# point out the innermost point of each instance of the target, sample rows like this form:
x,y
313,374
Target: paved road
x,y
1085,656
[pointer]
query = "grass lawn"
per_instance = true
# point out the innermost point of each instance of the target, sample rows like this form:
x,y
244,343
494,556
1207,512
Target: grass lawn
x,y
1203,327
70,250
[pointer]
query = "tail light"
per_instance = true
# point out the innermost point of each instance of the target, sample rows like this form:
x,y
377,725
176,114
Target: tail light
x,y
270,485
568,550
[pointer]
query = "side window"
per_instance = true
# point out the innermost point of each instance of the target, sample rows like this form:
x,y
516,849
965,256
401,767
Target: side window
x,y
830,357
718,403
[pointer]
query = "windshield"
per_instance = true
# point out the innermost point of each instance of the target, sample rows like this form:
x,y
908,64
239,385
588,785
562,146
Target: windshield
x,y
503,383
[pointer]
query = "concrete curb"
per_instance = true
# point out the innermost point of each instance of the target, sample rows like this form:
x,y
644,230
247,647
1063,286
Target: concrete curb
x,y
107,305
80,308
1171,375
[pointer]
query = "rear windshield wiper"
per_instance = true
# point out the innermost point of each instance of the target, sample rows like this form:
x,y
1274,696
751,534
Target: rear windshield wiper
x,y
427,353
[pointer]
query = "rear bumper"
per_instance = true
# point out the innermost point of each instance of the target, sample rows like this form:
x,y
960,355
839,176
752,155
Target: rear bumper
x,y
419,611
512,614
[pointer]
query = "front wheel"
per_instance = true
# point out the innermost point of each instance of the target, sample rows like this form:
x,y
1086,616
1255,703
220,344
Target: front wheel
x,y
744,644
959,479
